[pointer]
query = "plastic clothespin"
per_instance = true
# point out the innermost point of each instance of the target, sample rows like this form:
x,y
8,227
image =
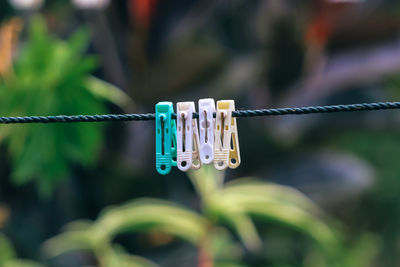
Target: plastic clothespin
x,y
196,162
165,138
187,137
206,124
226,147
234,152
173,148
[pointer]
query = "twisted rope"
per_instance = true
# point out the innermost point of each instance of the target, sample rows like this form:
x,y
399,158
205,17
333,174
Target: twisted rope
x,y
78,118
237,113
317,109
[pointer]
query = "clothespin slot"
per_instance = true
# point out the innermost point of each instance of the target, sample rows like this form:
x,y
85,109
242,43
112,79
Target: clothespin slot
x,y
206,124
173,147
226,146
187,137
196,162
165,131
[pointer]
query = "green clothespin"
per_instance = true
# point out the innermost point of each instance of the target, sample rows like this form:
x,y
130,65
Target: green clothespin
x,y
165,138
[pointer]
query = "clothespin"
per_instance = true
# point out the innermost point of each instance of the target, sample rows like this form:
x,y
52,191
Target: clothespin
x,y
206,124
165,138
226,147
187,137
234,152
173,148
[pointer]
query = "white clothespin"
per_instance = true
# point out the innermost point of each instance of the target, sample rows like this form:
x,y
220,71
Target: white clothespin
x,y
226,147
206,124
187,137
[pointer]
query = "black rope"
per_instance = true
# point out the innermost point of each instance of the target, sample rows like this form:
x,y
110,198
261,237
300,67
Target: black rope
x,y
317,109
78,118
237,113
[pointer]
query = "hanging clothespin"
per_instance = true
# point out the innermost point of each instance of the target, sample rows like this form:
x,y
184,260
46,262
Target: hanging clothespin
x,y
234,152
187,137
196,162
206,124
226,147
165,138
173,148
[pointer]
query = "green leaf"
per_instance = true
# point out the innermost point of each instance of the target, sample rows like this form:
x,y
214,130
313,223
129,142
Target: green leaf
x,y
71,241
152,214
136,216
7,255
118,257
108,92
21,263
6,250
224,247
364,252
279,204
246,230
273,192
206,181
79,40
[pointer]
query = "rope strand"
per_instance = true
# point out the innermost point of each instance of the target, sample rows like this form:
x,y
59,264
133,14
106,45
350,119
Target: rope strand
x,y
237,113
317,109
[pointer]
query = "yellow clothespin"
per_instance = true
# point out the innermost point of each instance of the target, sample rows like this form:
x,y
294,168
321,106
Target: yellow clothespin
x,y
226,145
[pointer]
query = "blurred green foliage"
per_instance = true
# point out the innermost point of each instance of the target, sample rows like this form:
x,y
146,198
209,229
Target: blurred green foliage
x,y
381,148
52,77
8,256
139,215
230,213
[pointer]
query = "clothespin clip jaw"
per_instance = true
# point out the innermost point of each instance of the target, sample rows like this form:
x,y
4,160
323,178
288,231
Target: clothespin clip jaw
x,y
234,151
173,148
206,124
196,162
164,137
187,137
226,147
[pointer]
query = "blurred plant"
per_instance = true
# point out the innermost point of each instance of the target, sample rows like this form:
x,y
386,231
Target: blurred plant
x,y
9,33
8,258
381,148
236,207
138,215
51,77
